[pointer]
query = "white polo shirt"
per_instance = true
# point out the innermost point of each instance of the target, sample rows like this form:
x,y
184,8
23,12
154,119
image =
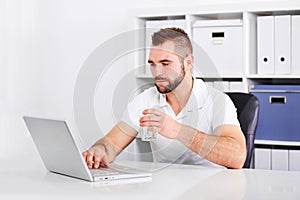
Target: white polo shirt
x,y
206,109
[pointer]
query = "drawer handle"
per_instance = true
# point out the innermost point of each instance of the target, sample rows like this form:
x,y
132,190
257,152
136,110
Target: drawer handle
x,y
217,35
277,99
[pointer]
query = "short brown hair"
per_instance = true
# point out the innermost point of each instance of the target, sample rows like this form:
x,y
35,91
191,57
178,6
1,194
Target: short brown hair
x,y
183,45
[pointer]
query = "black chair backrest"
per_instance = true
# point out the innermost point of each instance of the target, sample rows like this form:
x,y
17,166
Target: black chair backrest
x,y
247,111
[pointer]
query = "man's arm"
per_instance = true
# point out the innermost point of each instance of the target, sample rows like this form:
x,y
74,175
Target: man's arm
x,y
226,147
107,148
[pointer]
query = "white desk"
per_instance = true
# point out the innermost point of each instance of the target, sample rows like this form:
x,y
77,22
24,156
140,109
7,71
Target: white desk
x,y
30,180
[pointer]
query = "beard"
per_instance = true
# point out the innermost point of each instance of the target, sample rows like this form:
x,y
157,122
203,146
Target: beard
x,y
172,84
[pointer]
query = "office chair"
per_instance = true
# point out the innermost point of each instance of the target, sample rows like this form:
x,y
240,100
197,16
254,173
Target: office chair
x,y
247,106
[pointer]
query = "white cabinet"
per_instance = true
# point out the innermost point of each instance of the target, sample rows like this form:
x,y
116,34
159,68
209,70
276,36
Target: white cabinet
x,y
294,160
277,159
222,41
277,155
262,158
280,159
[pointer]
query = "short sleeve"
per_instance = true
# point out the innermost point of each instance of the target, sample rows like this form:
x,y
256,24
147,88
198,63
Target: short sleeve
x,y
131,113
223,111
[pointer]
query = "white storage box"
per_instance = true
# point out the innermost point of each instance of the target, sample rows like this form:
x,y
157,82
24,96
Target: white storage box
x,y
222,40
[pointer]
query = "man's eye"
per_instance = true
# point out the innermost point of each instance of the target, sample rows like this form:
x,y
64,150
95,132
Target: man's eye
x,y
152,65
165,64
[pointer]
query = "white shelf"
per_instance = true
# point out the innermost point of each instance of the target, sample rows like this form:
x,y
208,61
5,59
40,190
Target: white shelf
x,y
219,9
222,77
274,142
272,76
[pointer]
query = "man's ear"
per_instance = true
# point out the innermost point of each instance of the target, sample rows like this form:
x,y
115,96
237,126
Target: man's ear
x,y
188,61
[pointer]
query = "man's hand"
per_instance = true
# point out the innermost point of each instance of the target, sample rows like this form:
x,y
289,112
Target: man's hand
x,y
107,148
158,121
95,157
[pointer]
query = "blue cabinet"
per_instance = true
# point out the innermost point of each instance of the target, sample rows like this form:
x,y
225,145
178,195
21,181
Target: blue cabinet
x,y
279,117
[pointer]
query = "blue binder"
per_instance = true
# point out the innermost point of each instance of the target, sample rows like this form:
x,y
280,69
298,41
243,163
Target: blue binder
x,y
279,116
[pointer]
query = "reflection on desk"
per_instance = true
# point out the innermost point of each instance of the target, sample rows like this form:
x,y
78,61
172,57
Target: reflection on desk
x,y
31,181
227,184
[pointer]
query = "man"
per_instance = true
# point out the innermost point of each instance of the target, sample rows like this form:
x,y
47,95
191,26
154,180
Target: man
x,y
198,124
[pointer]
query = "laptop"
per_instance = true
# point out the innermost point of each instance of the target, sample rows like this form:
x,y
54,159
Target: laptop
x,y
61,155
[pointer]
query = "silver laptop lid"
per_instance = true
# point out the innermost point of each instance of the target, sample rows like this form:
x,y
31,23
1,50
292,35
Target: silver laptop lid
x,y
57,147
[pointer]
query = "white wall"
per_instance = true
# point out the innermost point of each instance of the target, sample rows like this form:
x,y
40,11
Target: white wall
x,y
43,44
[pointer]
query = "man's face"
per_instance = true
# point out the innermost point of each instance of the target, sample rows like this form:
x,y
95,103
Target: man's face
x,y
166,67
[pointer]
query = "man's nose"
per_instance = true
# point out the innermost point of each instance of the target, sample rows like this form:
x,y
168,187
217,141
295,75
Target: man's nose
x,y
157,69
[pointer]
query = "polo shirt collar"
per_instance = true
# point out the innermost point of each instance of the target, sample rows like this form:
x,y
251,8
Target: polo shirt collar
x,y
197,99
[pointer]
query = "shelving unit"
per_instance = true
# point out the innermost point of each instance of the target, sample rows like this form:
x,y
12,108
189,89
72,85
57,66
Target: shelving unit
x,y
247,14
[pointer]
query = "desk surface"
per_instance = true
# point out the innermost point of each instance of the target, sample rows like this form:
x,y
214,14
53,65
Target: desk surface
x,y
30,180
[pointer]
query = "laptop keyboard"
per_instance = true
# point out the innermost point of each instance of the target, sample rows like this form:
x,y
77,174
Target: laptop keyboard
x,y
104,171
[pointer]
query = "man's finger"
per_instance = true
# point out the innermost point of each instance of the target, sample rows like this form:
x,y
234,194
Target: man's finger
x,y
104,161
96,162
90,159
150,118
84,154
152,111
